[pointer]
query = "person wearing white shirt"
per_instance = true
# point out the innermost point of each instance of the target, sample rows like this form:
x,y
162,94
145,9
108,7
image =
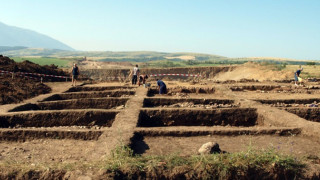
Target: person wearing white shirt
x,y
135,74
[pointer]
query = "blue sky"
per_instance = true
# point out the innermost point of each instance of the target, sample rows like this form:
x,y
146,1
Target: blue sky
x,y
232,28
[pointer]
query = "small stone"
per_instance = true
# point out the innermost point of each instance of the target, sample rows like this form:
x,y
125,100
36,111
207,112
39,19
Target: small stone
x,y
175,105
209,148
120,107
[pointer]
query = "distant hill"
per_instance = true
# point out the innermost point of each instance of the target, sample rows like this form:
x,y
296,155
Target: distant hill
x,y
142,56
15,36
138,56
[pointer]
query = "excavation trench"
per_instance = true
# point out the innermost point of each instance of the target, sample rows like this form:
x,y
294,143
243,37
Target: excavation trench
x,y
190,131
99,88
290,101
59,118
188,90
101,103
276,89
94,94
31,134
187,103
190,117
310,114
255,87
186,146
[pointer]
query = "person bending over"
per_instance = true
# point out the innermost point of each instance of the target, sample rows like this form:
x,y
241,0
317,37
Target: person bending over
x,y
142,79
297,76
162,87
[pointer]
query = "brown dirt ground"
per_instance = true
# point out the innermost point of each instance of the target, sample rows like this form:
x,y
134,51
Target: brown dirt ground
x,y
189,145
17,89
55,151
46,151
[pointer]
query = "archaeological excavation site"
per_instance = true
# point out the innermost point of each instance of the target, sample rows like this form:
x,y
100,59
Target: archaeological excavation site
x,y
115,130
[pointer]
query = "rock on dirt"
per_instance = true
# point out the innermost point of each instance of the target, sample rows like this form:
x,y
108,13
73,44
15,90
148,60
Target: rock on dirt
x,y
209,148
120,107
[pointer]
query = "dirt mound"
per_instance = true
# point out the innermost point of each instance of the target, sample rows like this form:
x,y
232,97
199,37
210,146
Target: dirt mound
x,y
8,64
18,89
6,61
14,90
253,71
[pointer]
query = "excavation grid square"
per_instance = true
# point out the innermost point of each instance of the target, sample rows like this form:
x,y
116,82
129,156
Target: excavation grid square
x,y
183,117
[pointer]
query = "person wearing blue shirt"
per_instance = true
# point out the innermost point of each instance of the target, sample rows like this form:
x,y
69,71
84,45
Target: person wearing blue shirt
x,y
162,87
296,75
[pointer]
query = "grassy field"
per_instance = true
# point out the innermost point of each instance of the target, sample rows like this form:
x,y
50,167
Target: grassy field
x,y
191,63
46,61
309,71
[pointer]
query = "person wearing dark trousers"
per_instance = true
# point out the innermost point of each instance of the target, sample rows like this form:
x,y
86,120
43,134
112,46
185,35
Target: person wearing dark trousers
x,y
75,73
162,87
135,74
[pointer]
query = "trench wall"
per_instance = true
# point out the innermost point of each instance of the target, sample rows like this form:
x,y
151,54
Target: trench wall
x,y
205,72
182,117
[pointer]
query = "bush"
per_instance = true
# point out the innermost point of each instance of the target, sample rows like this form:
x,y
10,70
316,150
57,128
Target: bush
x,y
311,63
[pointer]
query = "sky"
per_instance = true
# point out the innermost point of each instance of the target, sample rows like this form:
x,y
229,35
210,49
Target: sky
x,y
232,28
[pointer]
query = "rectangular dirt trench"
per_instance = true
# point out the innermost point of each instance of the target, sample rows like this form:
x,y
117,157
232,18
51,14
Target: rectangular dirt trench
x,y
156,102
94,94
310,114
255,87
290,101
22,135
187,90
59,118
99,88
103,103
183,117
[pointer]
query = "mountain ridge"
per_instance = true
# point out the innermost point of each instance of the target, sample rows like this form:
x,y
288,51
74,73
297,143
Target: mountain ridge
x,y
16,36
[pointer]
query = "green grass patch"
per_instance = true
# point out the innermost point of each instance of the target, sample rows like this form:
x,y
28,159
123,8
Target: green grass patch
x,y
189,63
252,162
123,164
309,71
45,61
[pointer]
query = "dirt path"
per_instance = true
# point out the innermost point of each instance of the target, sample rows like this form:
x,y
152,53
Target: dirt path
x,y
123,127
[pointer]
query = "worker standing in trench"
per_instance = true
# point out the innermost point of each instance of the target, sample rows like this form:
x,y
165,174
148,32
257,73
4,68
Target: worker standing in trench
x,y
135,74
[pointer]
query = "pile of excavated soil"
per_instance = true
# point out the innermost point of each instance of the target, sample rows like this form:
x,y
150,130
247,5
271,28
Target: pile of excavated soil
x,y
253,71
17,89
20,88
